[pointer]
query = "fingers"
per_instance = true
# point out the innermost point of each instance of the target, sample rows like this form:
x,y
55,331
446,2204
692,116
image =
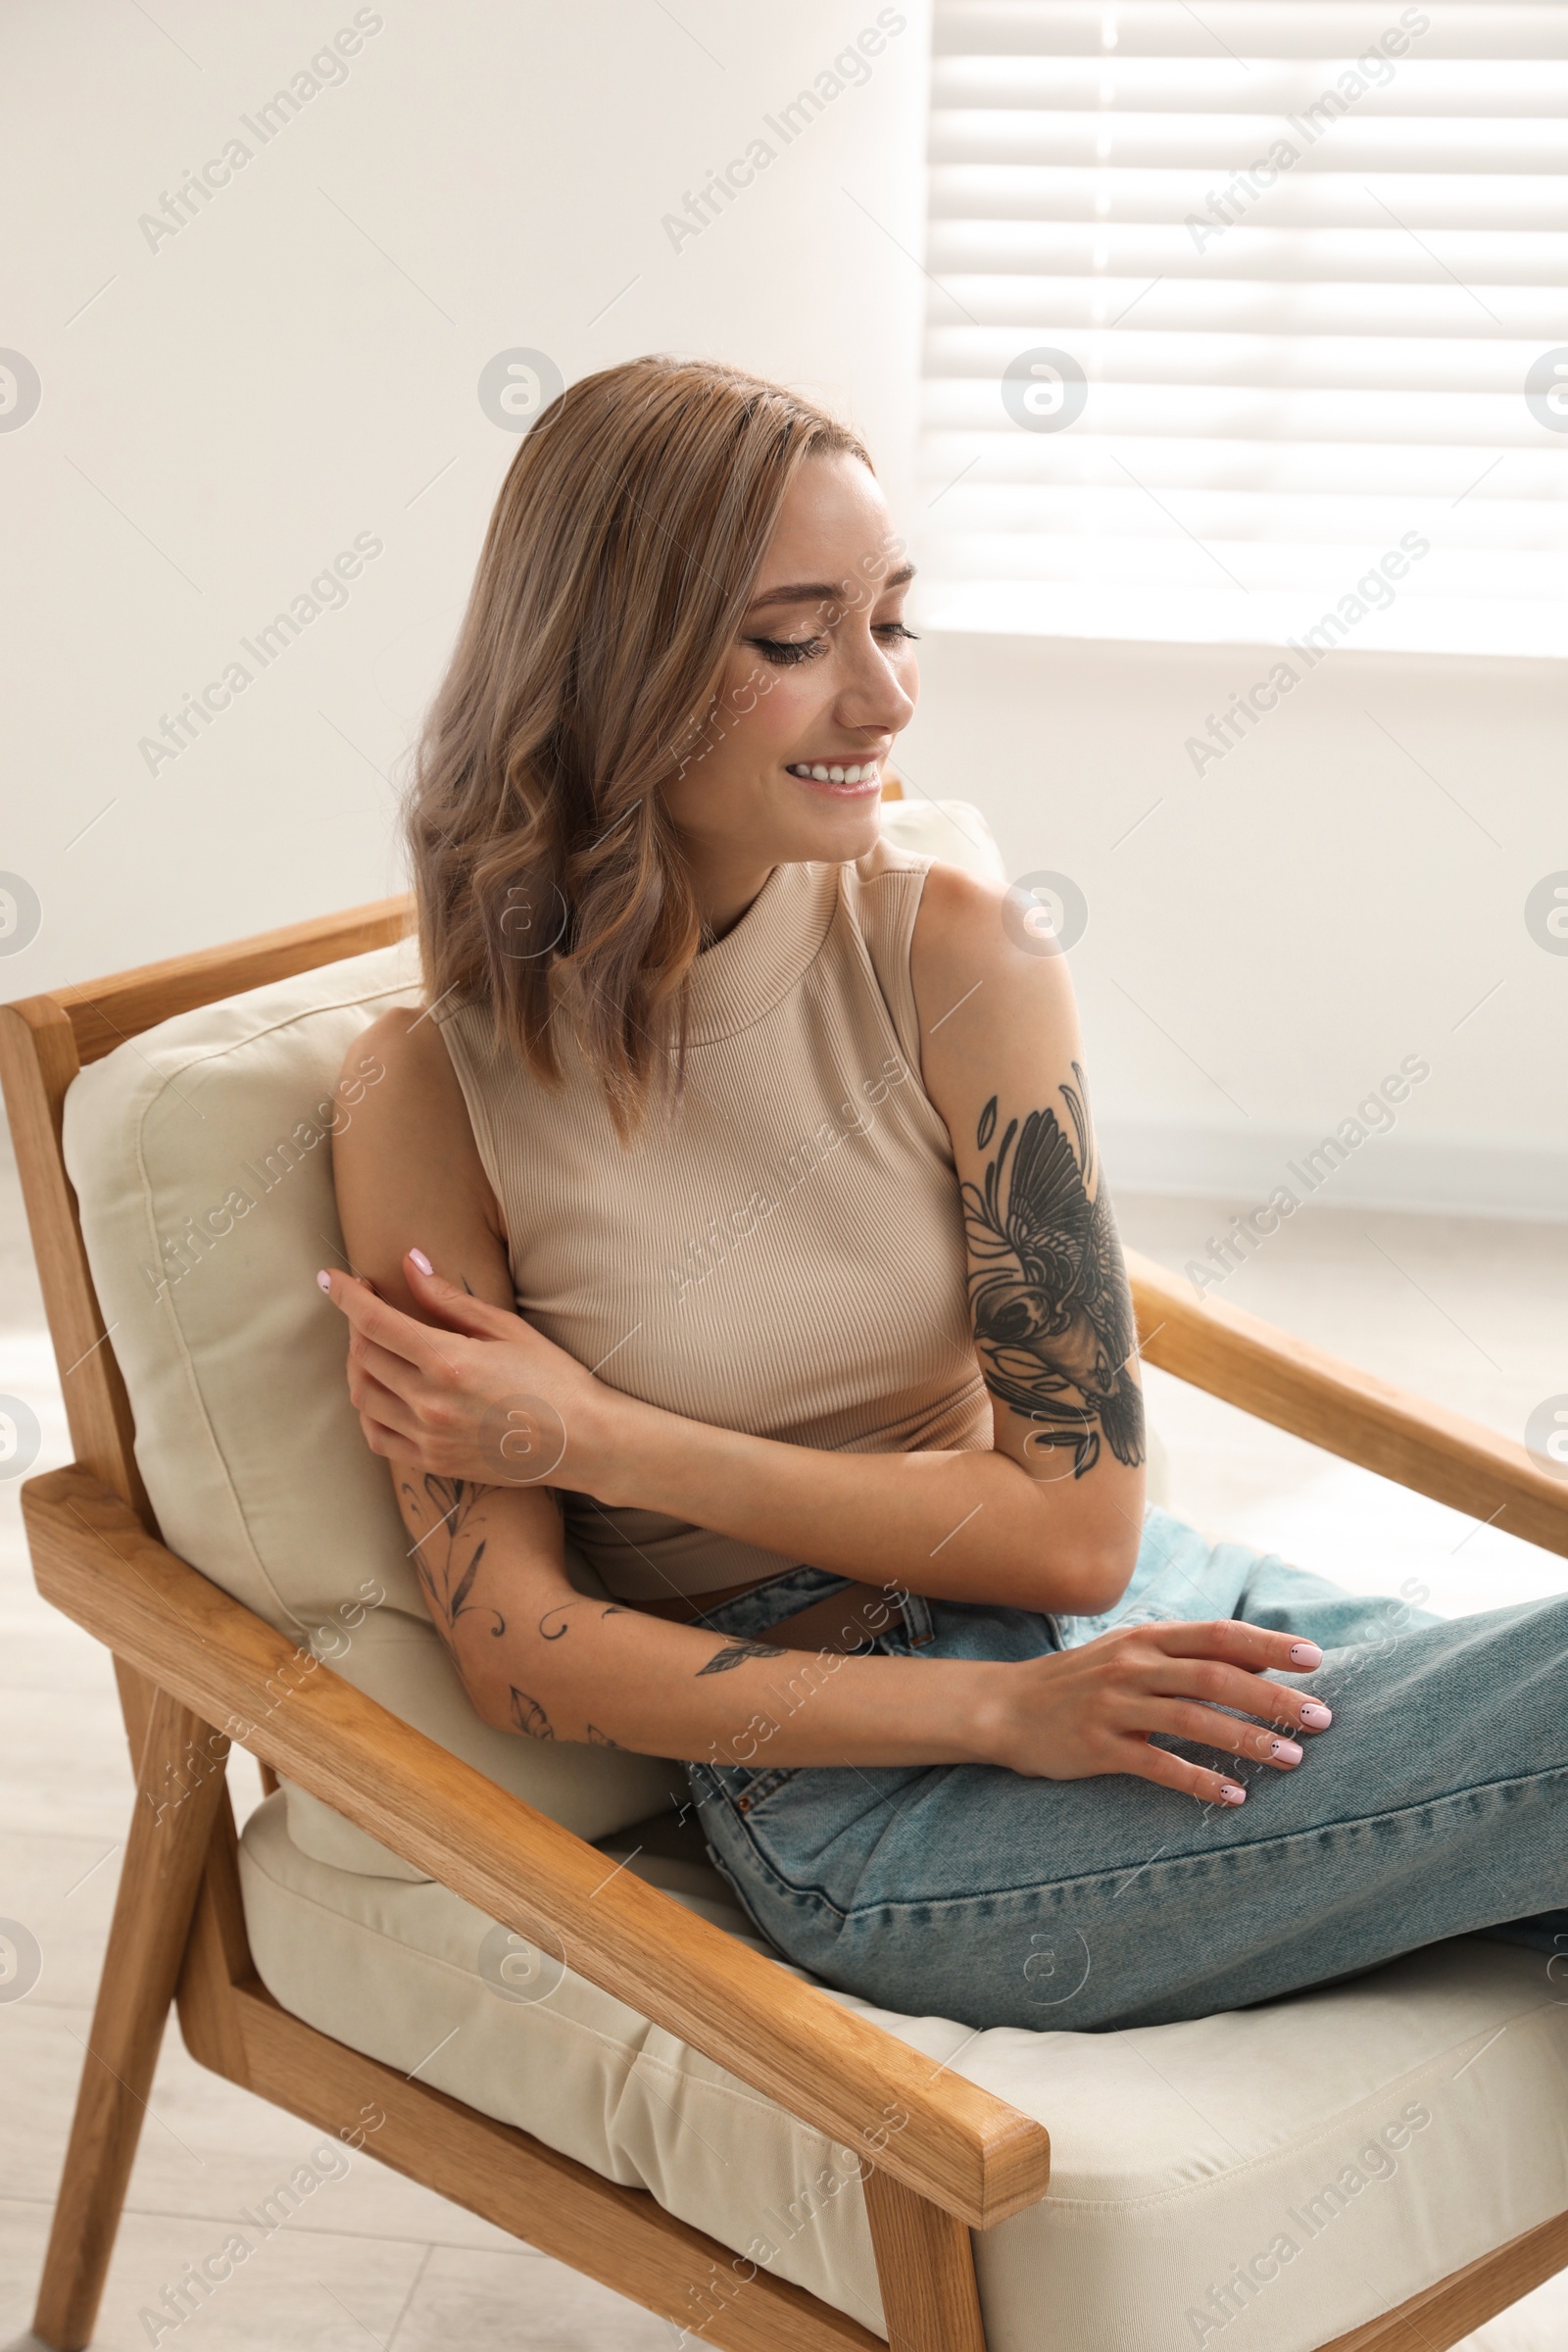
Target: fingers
x,y
393,1371
1126,1691
1230,1686
1241,1644
1158,1764
1208,1729
373,1319
459,1307
1219,1662
371,1400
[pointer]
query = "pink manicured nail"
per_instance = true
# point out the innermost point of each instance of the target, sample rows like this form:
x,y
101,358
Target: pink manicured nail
x,y
422,1261
1306,1654
1287,1751
325,1280
1230,1794
1315,1716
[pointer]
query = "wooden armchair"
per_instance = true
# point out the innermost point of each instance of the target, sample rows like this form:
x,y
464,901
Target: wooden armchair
x,y
190,1661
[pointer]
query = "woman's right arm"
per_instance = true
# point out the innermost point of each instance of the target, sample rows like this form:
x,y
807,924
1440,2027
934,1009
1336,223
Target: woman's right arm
x,y
539,1658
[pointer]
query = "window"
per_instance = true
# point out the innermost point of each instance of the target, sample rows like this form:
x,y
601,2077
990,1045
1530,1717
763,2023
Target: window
x,y
1250,317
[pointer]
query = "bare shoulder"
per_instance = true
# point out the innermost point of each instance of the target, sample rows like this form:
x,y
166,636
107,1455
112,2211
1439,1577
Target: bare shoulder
x,y
979,974
957,909
414,1060
405,1166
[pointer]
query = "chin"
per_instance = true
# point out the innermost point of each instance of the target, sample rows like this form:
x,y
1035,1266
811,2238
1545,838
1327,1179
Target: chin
x,y
831,828
841,832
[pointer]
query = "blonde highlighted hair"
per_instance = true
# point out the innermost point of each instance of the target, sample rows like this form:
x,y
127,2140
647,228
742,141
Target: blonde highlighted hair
x,y
614,574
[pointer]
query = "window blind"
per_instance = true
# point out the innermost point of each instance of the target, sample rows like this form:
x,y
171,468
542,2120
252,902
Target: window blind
x,y
1246,317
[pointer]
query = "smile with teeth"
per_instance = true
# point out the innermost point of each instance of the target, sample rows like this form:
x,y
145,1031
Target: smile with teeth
x,y
863,771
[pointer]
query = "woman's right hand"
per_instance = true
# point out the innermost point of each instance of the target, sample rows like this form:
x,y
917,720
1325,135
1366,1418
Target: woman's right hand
x,y
1077,1713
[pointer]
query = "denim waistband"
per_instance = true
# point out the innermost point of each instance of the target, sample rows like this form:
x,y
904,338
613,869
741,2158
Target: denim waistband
x,y
751,1613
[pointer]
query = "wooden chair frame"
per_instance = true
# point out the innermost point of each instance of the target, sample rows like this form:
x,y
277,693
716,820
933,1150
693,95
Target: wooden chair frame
x,y
192,1665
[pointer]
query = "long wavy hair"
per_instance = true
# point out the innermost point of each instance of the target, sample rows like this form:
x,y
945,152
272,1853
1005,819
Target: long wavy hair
x,y
618,561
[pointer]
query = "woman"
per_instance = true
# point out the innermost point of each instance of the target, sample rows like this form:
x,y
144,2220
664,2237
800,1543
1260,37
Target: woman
x,y
778,1138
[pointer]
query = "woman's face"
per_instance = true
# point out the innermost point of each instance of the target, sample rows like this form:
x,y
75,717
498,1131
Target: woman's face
x,y
821,679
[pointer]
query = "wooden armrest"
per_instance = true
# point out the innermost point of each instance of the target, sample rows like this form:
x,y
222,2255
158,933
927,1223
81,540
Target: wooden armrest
x,y
1346,1411
103,1013
965,2150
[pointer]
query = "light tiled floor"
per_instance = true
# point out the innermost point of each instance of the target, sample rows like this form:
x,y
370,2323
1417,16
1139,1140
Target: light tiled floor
x,y
1472,1314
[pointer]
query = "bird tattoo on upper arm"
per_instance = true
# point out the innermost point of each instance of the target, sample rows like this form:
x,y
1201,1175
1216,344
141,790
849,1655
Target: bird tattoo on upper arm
x,y
1048,1289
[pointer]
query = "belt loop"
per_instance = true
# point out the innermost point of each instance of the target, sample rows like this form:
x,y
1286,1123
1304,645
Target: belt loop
x,y
915,1611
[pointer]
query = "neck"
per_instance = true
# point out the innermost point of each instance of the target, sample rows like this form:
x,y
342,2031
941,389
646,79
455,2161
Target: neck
x,y
723,889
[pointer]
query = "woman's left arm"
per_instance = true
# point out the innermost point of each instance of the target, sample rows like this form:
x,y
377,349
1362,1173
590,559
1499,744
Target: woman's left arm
x,y
1051,1517
1002,1058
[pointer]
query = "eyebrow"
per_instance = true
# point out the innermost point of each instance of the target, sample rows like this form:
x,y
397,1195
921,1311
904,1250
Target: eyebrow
x,y
821,592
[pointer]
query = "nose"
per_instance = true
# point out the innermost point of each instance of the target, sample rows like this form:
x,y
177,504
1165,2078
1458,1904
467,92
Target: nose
x,y
872,698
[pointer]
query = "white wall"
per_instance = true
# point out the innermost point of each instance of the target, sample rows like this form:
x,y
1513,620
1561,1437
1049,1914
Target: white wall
x,y
1280,933
224,414
299,366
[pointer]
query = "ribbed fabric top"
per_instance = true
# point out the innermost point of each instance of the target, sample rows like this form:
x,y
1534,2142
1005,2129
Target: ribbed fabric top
x,y
782,1253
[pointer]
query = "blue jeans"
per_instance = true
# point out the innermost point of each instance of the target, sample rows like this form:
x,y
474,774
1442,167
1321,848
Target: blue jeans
x,y
967,1890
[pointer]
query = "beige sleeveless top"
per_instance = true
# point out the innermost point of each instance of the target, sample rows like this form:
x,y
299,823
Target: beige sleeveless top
x,y
784,1252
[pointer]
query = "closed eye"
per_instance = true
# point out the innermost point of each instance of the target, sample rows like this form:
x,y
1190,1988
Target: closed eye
x,y
785,650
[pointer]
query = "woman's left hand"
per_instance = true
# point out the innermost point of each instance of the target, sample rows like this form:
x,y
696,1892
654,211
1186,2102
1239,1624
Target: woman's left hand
x,y
481,1396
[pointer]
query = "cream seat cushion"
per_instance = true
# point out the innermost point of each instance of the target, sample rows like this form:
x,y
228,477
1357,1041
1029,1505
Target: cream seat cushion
x,y
1272,2177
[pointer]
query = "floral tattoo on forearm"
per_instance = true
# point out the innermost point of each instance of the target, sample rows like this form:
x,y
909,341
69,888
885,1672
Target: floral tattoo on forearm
x,y
450,1503
446,1507
1048,1289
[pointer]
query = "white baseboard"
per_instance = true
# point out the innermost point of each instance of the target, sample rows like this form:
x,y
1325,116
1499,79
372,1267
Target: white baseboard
x,y
1451,1176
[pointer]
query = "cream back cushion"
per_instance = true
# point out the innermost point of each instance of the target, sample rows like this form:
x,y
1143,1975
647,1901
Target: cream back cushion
x,y
201,1153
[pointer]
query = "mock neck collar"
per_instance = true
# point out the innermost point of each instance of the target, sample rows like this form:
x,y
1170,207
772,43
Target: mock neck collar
x,y
742,976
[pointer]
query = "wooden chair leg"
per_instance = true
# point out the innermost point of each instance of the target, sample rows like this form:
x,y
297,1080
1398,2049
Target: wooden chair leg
x,y
178,1785
925,2268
